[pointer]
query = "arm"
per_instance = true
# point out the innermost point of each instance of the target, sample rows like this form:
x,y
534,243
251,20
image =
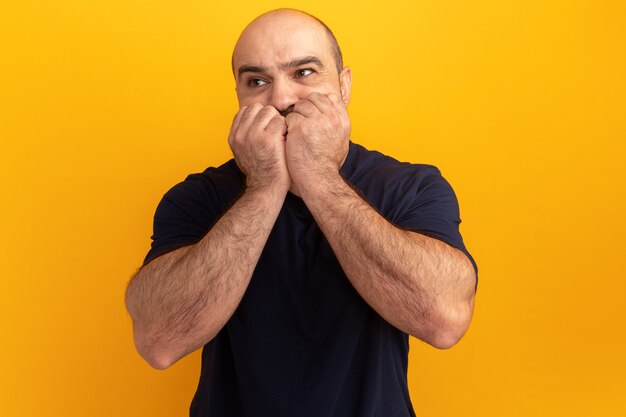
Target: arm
x,y
181,300
418,284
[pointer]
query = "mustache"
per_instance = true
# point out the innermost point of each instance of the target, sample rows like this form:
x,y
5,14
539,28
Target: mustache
x,y
285,112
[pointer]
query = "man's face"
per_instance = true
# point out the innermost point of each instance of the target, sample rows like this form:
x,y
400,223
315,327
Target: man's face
x,y
281,58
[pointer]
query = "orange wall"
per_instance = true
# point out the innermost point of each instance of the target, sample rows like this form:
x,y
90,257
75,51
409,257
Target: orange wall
x,y
522,104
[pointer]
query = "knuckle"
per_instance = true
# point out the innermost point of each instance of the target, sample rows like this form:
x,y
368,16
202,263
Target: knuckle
x,y
266,111
239,135
276,122
270,109
250,112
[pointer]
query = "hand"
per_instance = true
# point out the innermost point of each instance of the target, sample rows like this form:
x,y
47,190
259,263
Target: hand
x,y
257,139
318,133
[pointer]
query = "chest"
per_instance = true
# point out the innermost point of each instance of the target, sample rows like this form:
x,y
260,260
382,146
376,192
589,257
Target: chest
x,y
298,284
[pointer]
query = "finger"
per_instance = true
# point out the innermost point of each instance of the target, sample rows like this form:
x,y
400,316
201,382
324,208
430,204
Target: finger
x,y
235,124
237,118
321,102
336,101
248,117
305,107
277,125
292,118
263,118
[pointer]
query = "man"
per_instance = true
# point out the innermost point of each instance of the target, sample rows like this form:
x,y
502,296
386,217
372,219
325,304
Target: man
x,y
303,264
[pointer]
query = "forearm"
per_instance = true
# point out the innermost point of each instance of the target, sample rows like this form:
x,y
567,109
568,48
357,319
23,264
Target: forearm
x,y
181,300
418,284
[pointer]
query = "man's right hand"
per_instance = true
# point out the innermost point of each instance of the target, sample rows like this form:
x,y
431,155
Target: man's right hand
x,y
182,299
257,139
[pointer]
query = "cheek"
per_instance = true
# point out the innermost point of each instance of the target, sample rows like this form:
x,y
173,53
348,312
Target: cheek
x,y
319,88
248,98
327,86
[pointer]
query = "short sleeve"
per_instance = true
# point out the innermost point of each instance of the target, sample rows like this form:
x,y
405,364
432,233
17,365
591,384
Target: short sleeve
x,y
433,210
187,212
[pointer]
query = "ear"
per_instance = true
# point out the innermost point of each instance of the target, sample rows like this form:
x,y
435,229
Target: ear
x,y
345,84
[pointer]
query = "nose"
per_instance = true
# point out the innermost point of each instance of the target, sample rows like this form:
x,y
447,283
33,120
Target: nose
x,y
283,95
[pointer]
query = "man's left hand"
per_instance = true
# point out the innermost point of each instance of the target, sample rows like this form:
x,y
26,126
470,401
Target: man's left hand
x,y
318,133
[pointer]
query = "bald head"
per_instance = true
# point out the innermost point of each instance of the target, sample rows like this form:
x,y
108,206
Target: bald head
x,y
282,22
283,56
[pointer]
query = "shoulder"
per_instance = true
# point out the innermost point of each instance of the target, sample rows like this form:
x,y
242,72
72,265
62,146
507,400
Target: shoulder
x,y
386,180
189,209
412,196
200,199
212,186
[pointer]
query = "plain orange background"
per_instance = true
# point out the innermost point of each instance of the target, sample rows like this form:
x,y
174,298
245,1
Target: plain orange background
x,y
522,104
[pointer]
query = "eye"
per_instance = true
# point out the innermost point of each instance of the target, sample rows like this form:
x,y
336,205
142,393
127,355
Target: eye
x,y
256,82
304,72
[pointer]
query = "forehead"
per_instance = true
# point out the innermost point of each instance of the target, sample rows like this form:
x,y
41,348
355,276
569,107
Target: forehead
x,y
271,41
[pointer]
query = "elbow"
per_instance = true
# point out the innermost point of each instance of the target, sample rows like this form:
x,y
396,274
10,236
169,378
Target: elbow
x,y
446,338
159,363
450,328
455,315
163,352
157,356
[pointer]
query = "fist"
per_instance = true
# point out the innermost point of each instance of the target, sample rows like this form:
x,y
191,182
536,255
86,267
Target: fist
x,y
318,134
257,139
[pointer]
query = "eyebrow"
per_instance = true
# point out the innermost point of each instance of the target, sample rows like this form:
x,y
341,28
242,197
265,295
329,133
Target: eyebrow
x,y
249,68
291,64
303,61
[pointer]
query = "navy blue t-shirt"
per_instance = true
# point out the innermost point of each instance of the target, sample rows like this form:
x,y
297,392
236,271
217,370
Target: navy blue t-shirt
x,y
303,342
